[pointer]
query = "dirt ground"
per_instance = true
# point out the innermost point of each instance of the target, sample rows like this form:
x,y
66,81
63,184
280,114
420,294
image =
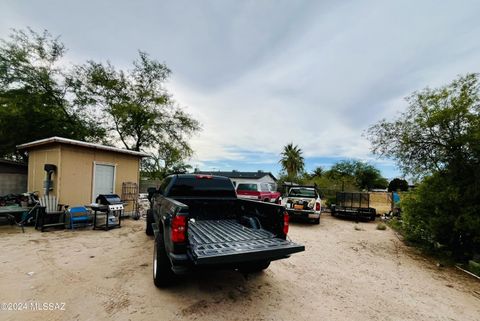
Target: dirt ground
x,y
344,274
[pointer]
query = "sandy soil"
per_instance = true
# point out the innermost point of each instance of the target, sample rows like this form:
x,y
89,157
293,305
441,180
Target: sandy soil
x,y
345,274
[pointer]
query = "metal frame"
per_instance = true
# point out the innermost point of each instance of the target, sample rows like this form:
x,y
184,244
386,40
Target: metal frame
x,y
130,193
103,210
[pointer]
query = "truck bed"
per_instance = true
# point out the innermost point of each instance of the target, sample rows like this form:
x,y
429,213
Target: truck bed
x,y
227,241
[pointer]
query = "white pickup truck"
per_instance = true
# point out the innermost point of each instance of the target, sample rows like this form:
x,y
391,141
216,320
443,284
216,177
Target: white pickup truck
x,y
303,201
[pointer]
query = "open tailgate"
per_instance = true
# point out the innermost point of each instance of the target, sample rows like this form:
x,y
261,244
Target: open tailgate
x,y
227,241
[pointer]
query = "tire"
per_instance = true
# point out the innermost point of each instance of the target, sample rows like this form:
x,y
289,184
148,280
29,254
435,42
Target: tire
x,y
149,228
254,267
136,215
162,268
316,221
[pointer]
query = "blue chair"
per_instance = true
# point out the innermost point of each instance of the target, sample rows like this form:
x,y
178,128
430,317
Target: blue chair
x,y
78,216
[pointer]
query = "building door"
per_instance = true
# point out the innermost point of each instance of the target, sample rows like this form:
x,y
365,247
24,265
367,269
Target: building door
x,y
103,180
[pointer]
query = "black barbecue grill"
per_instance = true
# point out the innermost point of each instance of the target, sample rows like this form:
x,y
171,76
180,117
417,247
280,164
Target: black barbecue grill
x,y
108,211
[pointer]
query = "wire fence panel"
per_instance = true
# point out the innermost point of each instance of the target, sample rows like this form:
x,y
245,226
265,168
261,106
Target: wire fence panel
x,y
382,202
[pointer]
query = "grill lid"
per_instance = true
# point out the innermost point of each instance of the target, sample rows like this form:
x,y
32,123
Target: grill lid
x,y
108,199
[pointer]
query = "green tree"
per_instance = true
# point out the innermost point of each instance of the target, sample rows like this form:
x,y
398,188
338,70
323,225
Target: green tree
x,y
439,129
398,184
368,177
34,94
341,169
134,104
167,160
365,175
292,161
317,172
438,138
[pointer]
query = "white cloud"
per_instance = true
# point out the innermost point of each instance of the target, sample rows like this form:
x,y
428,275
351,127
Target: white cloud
x,y
338,76
259,75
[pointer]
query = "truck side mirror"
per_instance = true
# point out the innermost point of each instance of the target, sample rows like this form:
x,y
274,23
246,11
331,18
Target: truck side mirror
x,y
151,191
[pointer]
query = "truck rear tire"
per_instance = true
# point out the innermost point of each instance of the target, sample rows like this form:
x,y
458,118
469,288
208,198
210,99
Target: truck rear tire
x,y
316,221
162,268
149,228
254,267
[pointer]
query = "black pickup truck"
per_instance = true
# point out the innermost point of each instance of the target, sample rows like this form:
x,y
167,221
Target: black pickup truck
x,y
198,221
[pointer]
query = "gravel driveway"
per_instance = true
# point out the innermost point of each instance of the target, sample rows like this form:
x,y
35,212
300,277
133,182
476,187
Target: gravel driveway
x,y
344,274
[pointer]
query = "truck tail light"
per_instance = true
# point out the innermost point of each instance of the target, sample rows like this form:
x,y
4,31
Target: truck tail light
x,y
179,229
285,223
317,207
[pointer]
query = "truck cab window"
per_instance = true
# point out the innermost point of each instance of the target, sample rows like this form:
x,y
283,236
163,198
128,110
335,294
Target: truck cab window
x,y
164,185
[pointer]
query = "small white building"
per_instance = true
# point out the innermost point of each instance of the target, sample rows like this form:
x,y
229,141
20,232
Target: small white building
x,y
238,177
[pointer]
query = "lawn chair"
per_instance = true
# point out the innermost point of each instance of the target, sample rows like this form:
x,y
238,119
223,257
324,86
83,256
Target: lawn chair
x,y
78,216
50,214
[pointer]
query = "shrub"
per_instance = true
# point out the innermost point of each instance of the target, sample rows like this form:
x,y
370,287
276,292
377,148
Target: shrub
x,y
437,138
474,267
381,226
441,210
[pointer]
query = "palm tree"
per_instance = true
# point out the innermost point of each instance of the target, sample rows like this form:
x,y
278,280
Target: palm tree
x,y
317,172
292,160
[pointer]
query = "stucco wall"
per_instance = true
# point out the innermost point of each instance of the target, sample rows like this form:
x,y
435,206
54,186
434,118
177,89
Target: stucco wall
x,y
77,172
73,183
36,174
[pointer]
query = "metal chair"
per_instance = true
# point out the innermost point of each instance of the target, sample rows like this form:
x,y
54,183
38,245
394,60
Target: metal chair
x,y
78,216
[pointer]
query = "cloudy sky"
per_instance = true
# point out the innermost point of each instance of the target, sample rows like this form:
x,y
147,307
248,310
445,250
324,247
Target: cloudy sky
x,y
261,74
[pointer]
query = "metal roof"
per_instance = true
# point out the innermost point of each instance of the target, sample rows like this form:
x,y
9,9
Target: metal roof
x,y
66,141
13,163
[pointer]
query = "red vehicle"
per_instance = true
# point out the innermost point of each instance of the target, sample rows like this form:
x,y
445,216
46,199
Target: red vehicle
x,y
258,191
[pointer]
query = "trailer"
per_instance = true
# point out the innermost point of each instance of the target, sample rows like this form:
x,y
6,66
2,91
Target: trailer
x,y
353,205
